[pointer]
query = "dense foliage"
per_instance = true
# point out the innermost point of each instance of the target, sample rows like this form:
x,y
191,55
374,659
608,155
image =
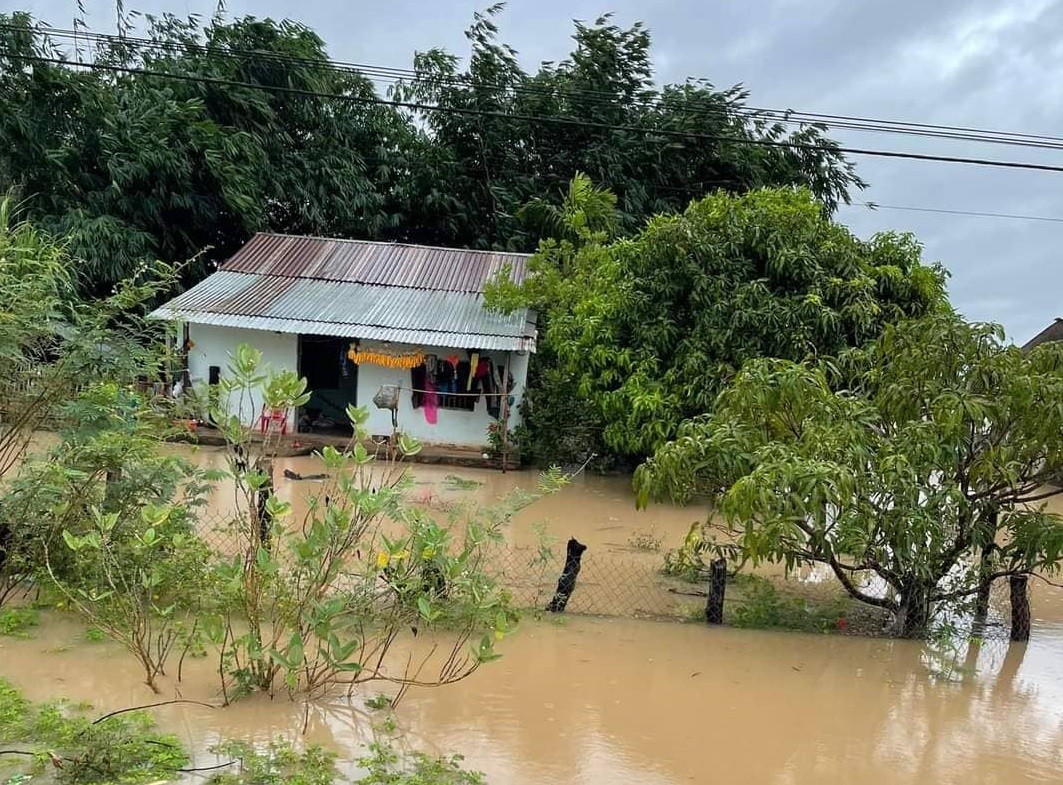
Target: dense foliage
x,y
646,331
135,166
915,468
53,344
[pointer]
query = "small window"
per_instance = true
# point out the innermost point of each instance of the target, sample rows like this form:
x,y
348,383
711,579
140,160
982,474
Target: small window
x,y
449,377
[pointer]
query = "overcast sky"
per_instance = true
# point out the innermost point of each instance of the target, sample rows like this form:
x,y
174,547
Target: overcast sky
x,y
952,62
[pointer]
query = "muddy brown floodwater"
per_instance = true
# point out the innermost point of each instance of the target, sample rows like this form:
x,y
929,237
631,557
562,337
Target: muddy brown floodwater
x,y
588,700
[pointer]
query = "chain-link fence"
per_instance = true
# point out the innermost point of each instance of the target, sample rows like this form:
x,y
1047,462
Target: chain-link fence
x,y
607,584
633,584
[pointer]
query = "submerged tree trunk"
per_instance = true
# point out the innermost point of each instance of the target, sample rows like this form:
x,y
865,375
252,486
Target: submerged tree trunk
x,y
566,584
914,614
981,600
981,603
1020,607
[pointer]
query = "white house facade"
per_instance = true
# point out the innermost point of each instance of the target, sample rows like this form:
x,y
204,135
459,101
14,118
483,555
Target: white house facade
x,y
353,317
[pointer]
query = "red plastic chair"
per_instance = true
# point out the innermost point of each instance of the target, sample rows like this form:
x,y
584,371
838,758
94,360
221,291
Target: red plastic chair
x,y
270,418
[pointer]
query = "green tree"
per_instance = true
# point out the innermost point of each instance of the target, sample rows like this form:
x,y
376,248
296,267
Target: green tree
x,y
109,517
915,468
512,136
257,130
134,167
650,328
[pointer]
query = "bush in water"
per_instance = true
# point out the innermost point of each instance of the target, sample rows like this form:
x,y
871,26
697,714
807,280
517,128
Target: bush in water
x,y
316,604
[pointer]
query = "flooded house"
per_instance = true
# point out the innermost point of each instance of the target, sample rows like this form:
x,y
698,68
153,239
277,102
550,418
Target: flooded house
x,y
361,321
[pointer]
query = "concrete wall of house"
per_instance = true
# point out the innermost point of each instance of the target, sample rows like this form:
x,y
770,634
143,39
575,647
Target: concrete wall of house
x,y
214,346
464,428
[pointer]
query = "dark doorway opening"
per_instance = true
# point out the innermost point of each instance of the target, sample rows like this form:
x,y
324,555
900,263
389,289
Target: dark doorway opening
x,y
332,380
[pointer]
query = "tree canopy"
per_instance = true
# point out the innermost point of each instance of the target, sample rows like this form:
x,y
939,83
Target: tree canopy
x,y
915,468
649,329
253,128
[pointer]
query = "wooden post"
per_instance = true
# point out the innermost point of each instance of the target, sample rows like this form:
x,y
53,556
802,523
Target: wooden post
x,y
1020,607
566,584
264,494
717,589
186,376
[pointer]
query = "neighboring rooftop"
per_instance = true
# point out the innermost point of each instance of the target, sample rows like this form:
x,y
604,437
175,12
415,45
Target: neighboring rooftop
x,y
1053,332
410,294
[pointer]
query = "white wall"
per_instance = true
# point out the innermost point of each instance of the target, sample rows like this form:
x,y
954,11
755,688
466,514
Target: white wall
x,y
452,427
214,345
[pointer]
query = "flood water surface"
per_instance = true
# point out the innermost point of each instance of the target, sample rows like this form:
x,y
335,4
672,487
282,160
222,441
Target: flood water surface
x,y
626,701
588,700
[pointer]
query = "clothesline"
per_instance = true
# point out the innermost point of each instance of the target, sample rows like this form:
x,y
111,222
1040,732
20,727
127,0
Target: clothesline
x,y
444,392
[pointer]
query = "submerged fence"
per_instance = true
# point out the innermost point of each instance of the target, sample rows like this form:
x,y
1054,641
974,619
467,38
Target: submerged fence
x,y
608,584
633,584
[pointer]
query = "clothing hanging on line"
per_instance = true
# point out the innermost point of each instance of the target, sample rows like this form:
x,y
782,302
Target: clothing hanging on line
x,y
431,401
474,364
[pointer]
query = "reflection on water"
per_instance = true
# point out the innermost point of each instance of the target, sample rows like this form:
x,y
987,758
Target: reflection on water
x,y
586,700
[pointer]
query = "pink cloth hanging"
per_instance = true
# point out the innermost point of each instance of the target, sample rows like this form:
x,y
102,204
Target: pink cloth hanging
x,y
431,401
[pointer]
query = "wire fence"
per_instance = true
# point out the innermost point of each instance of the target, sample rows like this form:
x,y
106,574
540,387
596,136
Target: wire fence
x,y
608,584
634,585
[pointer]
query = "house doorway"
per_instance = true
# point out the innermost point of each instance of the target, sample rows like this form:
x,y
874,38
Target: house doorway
x,y
332,380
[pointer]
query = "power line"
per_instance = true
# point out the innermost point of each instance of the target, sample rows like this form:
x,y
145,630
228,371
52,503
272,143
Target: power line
x,y
832,148
972,213
388,75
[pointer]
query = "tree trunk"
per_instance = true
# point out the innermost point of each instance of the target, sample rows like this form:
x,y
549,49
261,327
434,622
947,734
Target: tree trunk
x,y
914,615
111,480
981,603
1020,607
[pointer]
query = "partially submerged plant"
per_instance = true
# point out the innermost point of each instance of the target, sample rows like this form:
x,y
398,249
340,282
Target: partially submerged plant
x,y
319,603
121,747
144,588
114,518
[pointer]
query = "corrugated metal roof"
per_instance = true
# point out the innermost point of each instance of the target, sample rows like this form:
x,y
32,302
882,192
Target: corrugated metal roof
x,y
352,310
1053,332
380,264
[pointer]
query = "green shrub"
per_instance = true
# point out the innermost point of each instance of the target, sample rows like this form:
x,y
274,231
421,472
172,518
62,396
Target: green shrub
x,y
16,622
764,606
125,748
280,764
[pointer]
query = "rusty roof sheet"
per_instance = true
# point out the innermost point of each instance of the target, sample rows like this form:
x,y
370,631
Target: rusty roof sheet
x,y
374,263
1053,332
352,310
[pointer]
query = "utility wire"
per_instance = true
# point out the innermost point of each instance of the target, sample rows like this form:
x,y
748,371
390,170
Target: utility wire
x,y
972,213
392,76
831,148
